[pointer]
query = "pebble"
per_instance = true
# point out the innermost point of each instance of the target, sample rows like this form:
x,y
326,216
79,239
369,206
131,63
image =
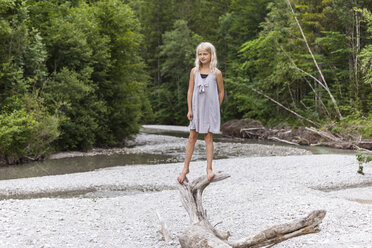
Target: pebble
x,y
261,192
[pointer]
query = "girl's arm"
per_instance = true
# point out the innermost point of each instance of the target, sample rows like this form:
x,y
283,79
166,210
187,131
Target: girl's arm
x,y
189,94
221,91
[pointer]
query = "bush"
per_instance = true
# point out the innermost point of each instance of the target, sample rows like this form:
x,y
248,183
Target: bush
x,y
363,158
26,133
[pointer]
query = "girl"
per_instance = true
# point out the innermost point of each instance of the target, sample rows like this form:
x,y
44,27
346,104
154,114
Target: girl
x,y
204,98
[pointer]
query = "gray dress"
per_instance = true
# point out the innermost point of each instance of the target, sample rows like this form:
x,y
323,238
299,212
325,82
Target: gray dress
x,y
205,104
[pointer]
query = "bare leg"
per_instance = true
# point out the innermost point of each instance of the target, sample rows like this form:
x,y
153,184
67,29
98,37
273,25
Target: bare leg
x,y
189,151
209,150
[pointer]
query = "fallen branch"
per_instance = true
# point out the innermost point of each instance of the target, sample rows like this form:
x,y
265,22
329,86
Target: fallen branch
x,y
252,129
356,147
328,136
164,229
299,69
283,141
279,233
312,88
325,85
281,105
253,133
202,234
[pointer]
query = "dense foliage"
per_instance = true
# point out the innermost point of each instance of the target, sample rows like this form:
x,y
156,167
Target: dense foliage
x,y
76,74
70,76
263,55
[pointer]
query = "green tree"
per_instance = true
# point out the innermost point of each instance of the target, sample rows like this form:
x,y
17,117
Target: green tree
x,y
260,63
69,91
366,71
94,49
26,128
240,24
123,88
178,52
156,17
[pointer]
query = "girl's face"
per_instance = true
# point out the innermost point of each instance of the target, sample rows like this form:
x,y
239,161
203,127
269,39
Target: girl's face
x,y
204,56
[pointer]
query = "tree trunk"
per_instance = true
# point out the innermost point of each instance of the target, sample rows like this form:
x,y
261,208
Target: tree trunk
x,y
317,84
201,233
357,50
281,105
324,84
159,33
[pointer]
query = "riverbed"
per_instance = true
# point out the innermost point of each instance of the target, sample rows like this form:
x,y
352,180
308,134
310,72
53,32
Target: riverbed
x,y
116,205
155,144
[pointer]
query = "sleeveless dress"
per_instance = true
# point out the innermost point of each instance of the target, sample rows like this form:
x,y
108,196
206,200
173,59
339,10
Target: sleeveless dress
x,y
205,104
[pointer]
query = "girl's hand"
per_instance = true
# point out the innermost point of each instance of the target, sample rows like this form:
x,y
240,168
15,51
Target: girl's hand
x,y
189,116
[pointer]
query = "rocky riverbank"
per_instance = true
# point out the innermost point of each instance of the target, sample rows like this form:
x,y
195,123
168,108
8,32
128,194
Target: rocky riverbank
x,y
252,129
116,207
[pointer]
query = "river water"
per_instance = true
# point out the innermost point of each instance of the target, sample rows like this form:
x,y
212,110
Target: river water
x,y
155,145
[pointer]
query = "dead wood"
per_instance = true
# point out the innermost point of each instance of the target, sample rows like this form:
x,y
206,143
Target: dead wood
x,y
252,129
279,233
201,234
308,74
337,145
324,85
328,136
281,105
254,133
283,141
365,145
164,229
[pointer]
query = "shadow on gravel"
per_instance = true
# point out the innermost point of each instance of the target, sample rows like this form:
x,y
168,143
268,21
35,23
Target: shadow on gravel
x,y
361,193
362,201
92,193
344,187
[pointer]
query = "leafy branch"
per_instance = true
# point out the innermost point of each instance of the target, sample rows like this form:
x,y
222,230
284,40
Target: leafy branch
x,y
363,158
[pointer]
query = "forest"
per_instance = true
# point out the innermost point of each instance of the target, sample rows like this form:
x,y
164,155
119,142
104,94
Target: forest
x,y
81,74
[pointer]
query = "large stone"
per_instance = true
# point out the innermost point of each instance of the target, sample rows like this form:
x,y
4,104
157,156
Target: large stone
x,y
233,127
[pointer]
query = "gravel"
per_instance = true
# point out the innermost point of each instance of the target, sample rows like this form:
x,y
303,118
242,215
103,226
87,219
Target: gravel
x,y
175,146
116,207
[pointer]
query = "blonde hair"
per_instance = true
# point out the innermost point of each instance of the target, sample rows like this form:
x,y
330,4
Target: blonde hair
x,y
212,51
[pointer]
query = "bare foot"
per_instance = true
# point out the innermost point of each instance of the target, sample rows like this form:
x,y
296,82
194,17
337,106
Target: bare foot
x,y
210,175
182,175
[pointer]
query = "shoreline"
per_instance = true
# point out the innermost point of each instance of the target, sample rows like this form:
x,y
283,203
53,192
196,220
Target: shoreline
x,y
147,148
159,129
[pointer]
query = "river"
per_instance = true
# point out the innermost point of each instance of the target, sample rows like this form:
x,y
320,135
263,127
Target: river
x,y
155,145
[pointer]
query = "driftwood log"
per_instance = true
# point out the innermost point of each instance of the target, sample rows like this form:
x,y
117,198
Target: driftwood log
x,y
252,129
202,234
